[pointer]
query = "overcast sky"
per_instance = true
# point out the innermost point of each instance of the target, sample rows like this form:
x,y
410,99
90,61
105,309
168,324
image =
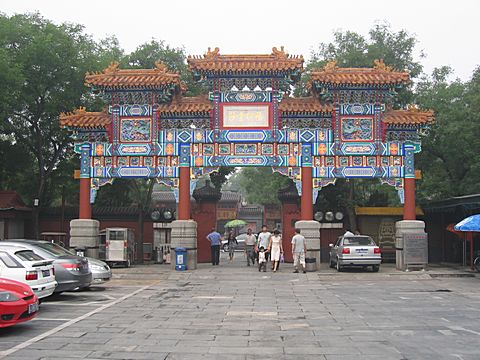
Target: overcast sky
x,y
447,31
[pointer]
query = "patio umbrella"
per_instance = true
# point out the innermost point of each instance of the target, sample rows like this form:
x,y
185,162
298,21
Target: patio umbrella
x,y
235,223
469,225
472,223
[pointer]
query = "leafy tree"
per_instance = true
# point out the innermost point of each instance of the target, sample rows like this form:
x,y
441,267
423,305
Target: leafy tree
x,y
450,160
48,63
261,185
146,55
351,49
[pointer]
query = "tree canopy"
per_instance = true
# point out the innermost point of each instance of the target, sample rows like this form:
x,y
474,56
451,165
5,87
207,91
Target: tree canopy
x,y
42,68
449,160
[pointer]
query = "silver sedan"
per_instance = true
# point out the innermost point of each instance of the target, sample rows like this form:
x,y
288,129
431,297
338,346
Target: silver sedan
x,y
358,250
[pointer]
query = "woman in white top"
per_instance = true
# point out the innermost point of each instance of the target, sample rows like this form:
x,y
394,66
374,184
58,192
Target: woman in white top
x,y
275,248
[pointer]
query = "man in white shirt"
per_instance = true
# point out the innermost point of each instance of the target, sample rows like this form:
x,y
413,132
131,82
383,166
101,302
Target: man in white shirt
x,y
264,240
299,249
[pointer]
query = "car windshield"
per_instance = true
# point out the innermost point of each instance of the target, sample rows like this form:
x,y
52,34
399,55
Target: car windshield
x,y
358,241
28,255
54,249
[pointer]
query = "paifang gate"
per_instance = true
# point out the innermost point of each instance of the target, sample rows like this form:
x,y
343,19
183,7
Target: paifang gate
x,y
345,128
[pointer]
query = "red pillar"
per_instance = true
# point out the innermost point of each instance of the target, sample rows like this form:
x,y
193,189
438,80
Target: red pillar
x,y
184,194
85,207
409,211
306,201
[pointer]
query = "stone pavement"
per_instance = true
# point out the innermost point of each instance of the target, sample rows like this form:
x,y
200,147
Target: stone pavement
x,y
235,312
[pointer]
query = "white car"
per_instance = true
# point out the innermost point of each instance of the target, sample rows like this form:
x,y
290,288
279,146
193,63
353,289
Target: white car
x,y
20,264
357,250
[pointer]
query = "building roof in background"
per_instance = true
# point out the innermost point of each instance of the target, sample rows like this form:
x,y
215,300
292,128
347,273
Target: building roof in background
x,y
230,196
168,196
214,62
468,202
10,200
250,210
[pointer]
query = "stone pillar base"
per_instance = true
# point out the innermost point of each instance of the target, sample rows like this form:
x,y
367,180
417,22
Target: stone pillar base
x,y
84,233
311,230
184,234
411,245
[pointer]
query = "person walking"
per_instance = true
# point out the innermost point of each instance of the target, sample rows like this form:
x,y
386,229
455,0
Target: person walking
x,y
264,240
262,262
215,241
299,249
232,243
276,249
250,243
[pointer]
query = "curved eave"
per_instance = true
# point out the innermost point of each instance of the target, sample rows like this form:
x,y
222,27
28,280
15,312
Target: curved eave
x,y
81,119
408,118
306,105
372,77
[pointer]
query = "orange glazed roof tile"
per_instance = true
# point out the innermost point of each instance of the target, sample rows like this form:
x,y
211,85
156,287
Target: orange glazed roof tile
x,y
84,119
304,104
113,77
278,60
406,117
186,105
379,74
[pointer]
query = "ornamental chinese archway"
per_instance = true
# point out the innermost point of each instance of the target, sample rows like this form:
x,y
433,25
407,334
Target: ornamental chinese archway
x,y
345,128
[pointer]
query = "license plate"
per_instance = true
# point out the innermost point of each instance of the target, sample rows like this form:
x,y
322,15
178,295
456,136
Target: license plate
x,y
33,308
45,273
362,251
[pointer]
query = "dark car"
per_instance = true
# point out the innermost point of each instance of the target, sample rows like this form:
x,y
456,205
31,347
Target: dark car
x,y
72,272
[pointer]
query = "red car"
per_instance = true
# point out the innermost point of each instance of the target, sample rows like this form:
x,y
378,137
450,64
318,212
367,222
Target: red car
x,y
18,303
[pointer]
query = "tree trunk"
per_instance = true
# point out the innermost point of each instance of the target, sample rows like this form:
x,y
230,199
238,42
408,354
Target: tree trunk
x,y
37,208
35,222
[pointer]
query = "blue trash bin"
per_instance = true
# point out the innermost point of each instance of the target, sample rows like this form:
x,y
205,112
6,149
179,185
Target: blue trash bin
x,y
180,259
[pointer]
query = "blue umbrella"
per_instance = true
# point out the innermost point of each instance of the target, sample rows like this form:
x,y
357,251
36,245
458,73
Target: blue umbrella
x,y
472,223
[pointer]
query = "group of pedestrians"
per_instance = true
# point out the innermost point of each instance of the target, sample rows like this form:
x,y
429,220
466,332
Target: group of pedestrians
x,y
266,247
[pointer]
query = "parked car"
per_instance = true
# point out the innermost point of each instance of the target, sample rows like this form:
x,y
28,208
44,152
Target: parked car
x,y
358,250
20,264
101,272
72,272
18,303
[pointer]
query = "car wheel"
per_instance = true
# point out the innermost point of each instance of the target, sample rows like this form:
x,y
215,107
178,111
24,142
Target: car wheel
x,y
225,248
338,266
375,268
